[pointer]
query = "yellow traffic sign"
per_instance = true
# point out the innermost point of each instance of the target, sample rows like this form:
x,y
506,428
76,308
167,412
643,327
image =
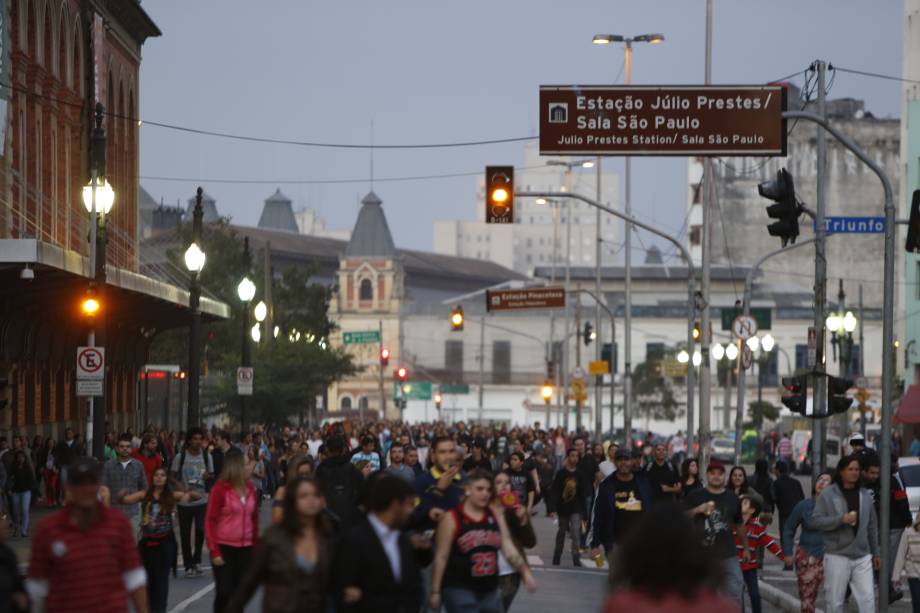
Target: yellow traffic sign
x,y
599,367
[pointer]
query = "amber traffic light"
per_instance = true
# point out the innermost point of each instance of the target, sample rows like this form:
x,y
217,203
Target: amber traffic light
x,y
90,306
456,319
697,332
547,392
499,194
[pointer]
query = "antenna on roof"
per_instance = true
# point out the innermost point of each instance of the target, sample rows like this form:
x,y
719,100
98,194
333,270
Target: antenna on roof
x,y
372,154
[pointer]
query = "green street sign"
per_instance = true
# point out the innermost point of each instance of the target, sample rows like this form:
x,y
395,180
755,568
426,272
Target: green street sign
x,y
455,388
360,338
412,390
763,315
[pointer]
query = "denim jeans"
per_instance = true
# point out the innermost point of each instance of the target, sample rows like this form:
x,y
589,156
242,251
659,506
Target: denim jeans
x,y
753,589
189,515
459,600
572,525
732,580
840,571
22,501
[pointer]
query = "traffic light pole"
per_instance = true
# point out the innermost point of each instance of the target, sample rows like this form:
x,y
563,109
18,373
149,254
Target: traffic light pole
x,y
598,421
691,291
884,446
746,306
819,435
383,397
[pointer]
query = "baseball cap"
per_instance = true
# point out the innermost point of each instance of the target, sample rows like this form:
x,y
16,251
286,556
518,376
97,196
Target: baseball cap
x,y
857,438
715,464
83,470
621,454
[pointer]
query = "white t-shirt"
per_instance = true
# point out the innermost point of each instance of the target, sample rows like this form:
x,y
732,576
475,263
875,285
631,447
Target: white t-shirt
x,y
607,468
313,448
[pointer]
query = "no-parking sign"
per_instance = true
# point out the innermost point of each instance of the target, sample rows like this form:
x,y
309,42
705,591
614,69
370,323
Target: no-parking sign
x,y
91,363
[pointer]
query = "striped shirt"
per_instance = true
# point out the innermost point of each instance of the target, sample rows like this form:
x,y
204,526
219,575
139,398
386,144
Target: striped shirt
x,y
756,536
77,570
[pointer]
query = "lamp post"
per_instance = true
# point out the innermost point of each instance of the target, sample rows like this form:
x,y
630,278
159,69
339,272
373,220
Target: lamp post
x,y
98,198
246,290
607,39
194,262
841,326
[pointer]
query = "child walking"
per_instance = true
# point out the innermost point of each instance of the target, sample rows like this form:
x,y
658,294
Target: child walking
x,y
750,537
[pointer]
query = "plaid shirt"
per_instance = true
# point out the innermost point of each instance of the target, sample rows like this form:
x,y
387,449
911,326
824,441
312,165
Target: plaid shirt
x,y
127,479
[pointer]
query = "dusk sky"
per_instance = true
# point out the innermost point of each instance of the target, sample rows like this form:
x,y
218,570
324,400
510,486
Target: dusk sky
x,y
436,72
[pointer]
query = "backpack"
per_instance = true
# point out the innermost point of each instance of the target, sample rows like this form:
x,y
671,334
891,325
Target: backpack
x,y
208,483
341,490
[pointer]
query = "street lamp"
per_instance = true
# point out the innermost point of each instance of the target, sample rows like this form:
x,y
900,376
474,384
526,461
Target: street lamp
x,y
194,262
246,290
841,325
607,39
260,311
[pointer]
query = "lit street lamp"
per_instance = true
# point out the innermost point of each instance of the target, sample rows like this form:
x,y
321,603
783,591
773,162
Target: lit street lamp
x,y
841,325
194,262
246,291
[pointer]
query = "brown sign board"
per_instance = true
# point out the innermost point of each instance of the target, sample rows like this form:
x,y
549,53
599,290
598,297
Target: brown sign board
x,y
536,298
689,120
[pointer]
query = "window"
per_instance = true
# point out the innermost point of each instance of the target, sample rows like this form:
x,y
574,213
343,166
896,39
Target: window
x,y
362,402
609,355
346,403
501,362
453,358
801,357
366,291
768,372
654,351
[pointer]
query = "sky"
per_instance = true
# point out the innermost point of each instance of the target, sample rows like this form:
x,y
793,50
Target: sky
x,y
422,71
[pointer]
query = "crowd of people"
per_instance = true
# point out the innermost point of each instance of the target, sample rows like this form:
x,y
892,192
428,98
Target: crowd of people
x,y
388,516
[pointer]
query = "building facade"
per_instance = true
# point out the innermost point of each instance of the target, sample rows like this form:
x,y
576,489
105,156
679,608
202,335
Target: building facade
x,y
909,298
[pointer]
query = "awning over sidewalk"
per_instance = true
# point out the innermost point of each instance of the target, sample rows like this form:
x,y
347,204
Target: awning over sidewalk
x,y
908,411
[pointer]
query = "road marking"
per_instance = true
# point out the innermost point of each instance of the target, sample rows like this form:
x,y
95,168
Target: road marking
x,y
570,571
182,606
534,560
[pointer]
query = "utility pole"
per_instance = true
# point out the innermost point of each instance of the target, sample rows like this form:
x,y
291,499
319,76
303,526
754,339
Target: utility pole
x,y
862,348
194,346
820,397
568,318
599,379
383,395
577,355
267,294
705,340
482,363
627,281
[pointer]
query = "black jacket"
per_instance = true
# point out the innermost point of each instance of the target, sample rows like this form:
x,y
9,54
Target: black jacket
x,y
787,492
343,485
361,562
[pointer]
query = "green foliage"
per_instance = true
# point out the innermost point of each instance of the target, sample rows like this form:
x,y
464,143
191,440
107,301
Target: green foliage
x,y
760,411
290,369
653,394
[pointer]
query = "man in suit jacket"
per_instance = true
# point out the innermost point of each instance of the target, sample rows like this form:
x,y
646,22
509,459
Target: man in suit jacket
x,y
378,566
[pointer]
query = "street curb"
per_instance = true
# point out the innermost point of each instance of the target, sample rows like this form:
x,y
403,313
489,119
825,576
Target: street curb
x,y
781,599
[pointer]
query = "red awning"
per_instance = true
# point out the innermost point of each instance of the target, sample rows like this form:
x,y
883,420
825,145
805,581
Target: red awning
x,y
908,411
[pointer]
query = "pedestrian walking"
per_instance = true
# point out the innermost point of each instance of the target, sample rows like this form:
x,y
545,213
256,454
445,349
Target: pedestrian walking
x,y
440,489
517,517
20,485
148,455
341,482
621,499
469,537
157,543
689,476
298,467
663,476
193,469
845,513
738,481
907,562
231,528
125,475
397,466
522,483
568,489
786,492
685,580
750,538
809,554
717,514
84,557
378,565
293,560
784,448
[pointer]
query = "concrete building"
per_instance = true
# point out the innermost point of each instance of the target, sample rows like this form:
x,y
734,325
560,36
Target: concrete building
x,y
310,223
529,241
739,235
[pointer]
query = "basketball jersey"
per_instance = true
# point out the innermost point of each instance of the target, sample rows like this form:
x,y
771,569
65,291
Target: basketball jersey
x,y
473,561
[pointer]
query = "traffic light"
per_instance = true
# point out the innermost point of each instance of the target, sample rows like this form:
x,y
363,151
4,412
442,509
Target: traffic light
x,y
402,374
912,243
437,401
795,396
588,333
384,356
547,392
457,319
786,210
90,305
551,370
697,332
499,194
837,400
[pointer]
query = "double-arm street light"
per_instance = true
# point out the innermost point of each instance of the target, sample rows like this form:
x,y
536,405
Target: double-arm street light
x,y
194,262
246,291
841,325
98,198
608,39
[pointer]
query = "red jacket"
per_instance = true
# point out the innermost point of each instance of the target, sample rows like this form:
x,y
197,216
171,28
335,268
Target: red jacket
x,y
151,463
756,537
231,520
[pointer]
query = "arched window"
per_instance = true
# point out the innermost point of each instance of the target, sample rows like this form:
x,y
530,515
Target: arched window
x,y
366,290
362,403
346,403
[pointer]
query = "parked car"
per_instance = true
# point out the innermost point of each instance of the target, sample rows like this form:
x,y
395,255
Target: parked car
x,y
723,449
909,471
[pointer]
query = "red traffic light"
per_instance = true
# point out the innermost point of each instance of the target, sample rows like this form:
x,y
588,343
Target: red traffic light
x,y
384,356
402,374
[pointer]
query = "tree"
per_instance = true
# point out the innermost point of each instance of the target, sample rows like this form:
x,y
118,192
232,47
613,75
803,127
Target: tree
x,y
759,411
653,396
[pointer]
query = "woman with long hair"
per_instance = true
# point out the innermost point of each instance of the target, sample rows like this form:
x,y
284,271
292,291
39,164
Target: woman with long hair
x,y
737,481
298,467
522,535
255,468
231,527
809,555
157,541
49,472
293,559
20,484
468,540
689,476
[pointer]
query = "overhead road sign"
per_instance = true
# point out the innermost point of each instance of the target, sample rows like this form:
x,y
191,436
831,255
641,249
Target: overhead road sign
x,y
360,338
662,120
515,299
854,225
762,315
